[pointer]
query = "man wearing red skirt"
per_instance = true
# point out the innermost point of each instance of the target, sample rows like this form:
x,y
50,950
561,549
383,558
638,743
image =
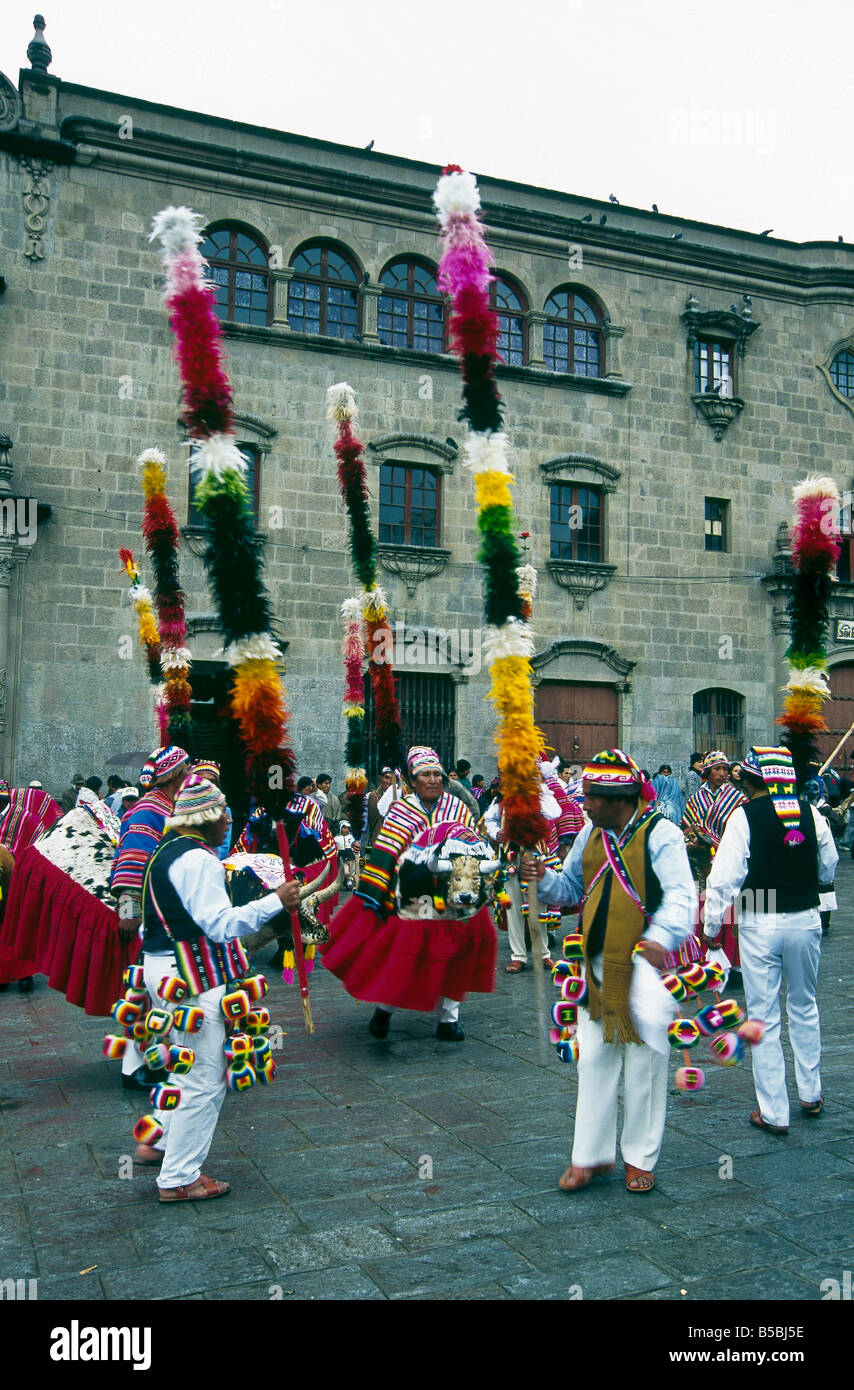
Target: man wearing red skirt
x,y
410,956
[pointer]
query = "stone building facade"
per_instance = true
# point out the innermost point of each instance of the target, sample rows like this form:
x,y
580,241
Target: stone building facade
x,y
660,610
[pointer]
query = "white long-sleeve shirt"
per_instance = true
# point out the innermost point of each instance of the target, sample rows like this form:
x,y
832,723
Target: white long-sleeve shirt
x,y
729,870
198,878
674,918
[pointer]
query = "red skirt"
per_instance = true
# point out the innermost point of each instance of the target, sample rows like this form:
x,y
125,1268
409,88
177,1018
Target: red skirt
x,y
410,964
53,927
729,936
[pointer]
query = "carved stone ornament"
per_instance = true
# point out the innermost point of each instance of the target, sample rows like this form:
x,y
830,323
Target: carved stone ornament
x,y
36,199
412,564
580,578
719,411
8,565
10,104
739,325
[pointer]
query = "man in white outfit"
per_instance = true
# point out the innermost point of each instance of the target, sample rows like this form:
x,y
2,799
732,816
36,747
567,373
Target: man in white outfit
x,y
629,870
188,917
774,853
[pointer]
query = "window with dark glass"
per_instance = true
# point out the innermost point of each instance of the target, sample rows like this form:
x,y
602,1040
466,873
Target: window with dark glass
x,y
239,269
842,373
576,523
252,476
713,366
845,563
572,335
718,717
716,524
512,325
409,505
411,310
323,296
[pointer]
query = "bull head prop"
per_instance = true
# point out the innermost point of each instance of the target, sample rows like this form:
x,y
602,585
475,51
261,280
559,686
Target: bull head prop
x,y
250,878
452,878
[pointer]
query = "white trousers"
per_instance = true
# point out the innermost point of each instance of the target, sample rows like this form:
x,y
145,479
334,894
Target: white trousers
x,y
188,1131
516,925
132,1059
447,1012
785,946
645,1075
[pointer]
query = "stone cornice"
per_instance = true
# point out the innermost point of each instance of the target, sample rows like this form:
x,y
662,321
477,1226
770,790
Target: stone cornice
x,y
570,646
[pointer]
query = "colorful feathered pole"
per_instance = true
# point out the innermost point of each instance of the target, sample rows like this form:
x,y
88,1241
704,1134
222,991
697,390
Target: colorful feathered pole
x,y
815,551
353,708
233,557
141,601
160,529
464,273
353,485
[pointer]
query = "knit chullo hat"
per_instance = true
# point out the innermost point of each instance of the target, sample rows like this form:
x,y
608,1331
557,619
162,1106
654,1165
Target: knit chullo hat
x,y
423,759
197,803
166,761
207,769
146,775
615,773
715,759
775,768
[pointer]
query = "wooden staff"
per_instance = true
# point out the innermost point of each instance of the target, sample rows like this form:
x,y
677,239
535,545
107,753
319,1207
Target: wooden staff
x,y
302,974
844,739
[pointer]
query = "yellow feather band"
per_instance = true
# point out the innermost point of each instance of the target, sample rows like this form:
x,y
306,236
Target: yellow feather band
x,y
519,741
153,478
356,781
492,490
148,634
355,711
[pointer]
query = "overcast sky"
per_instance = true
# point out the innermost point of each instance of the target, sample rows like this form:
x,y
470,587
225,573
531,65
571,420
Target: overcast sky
x,y
731,111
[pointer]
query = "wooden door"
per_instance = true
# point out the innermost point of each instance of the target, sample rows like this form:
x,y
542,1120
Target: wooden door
x,y
839,713
578,720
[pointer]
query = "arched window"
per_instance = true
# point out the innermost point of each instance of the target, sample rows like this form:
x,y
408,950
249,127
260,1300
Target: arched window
x,y
719,722
842,373
511,309
239,269
323,296
572,335
411,309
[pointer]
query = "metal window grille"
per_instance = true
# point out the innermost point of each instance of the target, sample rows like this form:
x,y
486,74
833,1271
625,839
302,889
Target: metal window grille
x,y
719,722
427,712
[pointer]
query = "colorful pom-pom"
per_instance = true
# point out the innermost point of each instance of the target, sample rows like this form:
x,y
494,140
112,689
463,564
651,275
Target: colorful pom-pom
x,y
573,989
135,996
237,1047
563,1014
568,1051
165,1097
255,986
675,986
147,1130
728,1048
157,1057
172,989
731,1013
683,1032
140,1034
256,1022
751,1031
573,946
261,1052
114,1046
158,1022
240,1078
181,1059
715,975
561,968
694,976
690,1079
126,1014
134,977
187,1019
710,1020
267,1074
236,1004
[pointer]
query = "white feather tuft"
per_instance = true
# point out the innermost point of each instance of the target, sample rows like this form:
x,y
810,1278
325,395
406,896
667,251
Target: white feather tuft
x,y
375,604
174,658
513,638
217,454
151,456
455,195
177,230
810,679
485,453
351,609
816,485
259,646
527,579
138,593
340,403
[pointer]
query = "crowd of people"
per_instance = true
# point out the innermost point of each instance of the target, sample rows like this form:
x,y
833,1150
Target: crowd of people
x,y
647,863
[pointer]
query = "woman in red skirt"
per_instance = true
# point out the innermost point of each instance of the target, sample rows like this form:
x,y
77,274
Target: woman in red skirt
x,y
411,956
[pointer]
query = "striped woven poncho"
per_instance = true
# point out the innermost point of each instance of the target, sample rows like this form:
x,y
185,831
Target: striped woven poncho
x,y
404,822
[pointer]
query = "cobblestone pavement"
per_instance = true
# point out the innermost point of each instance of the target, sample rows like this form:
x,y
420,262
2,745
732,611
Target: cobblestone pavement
x,y
416,1169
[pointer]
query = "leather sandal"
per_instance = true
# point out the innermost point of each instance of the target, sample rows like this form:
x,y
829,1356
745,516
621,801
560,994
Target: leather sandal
x,y
548,963
812,1108
638,1179
757,1120
515,967
202,1190
576,1178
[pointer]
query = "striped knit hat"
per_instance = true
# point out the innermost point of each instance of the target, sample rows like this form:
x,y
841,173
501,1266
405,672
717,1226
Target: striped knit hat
x,y
615,773
423,759
208,770
775,768
197,803
715,759
166,761
146,775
